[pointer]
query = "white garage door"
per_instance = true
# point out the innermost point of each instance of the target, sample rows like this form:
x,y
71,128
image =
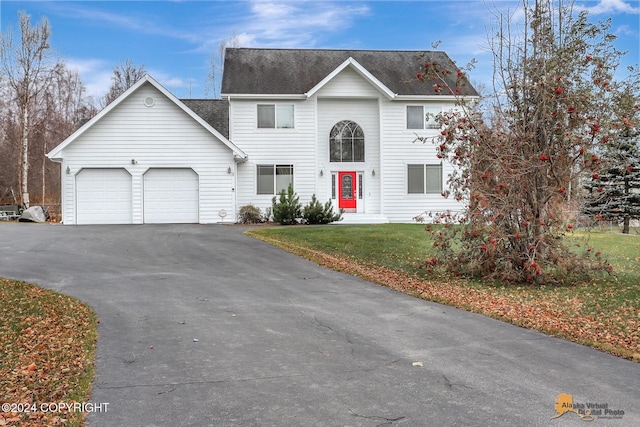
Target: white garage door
x,y
170,196
103,196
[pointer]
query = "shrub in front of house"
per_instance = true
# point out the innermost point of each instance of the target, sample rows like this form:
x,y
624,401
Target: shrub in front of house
x,y
316,213
250,214
287,209
266,216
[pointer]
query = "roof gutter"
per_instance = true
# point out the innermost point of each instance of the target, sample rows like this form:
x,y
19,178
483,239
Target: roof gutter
x,y
264,96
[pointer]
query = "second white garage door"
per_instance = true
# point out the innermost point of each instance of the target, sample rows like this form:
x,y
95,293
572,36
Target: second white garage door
x,y
171,196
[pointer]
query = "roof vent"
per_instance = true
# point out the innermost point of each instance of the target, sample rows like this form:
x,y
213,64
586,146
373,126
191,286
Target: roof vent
x,y
149,101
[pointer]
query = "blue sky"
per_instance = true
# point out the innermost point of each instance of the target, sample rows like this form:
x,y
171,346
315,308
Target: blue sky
x,y
175,40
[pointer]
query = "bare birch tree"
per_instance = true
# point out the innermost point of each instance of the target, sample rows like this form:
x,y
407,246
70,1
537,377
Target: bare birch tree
x,y
25,67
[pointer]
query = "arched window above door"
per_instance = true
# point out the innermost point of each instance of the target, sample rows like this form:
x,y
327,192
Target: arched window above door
x,y
346,142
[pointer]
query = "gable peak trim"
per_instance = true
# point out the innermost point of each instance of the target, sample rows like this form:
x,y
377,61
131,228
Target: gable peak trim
x,y
350,62
56,153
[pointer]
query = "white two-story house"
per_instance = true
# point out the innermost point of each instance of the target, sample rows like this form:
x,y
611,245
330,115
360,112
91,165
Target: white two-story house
x,y
340,124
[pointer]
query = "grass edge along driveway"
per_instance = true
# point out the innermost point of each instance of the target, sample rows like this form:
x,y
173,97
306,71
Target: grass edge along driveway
x,y
47,353
604,314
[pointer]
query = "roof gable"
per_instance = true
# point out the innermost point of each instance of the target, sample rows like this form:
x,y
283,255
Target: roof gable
x,y
300,71
55,154
350,62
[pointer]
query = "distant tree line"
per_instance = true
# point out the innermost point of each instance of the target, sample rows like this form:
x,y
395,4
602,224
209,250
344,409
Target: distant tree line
x,y
42,102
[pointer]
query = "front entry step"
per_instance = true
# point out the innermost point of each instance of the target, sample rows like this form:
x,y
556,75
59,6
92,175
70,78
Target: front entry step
x,y
362,218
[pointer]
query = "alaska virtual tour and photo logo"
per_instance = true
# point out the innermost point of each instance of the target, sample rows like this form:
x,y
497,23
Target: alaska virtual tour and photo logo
x,y
586,411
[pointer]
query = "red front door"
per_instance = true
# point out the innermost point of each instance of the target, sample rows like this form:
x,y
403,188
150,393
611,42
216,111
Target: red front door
x,y
348,190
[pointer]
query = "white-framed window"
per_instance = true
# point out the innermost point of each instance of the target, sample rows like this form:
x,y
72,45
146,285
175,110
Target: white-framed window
x,y
272,179
275,116
346,142
422,117
424,179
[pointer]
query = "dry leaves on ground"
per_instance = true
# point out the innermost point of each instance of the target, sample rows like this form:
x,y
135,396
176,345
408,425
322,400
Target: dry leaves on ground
x,y
549,313
47,345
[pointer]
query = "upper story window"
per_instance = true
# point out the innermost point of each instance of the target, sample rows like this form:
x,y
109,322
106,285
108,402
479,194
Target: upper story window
x,y
421,117
346,142
272,116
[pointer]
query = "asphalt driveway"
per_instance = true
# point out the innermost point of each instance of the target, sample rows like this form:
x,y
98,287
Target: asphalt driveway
x,y
203,326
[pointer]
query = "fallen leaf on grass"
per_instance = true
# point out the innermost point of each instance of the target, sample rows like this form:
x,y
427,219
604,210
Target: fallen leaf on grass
x,y
545,312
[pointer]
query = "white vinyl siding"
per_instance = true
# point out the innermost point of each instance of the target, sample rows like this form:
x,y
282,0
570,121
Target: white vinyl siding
x,y
349,83
289,147
399,150
138,138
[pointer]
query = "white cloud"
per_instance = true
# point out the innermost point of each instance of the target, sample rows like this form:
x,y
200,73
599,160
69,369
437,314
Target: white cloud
x,y
612,6
244,39
176,82
94,73
182,87
626,30
143,23
296,24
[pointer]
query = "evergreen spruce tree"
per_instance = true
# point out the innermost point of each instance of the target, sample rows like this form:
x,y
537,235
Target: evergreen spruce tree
x,y
614,191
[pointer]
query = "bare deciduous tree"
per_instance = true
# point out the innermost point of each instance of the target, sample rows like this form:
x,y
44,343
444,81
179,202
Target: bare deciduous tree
x,y
214,78
41,103
124,76
556,105
25,65
64,107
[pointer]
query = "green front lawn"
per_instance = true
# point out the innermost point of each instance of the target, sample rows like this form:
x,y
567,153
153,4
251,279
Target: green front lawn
x,y
604,313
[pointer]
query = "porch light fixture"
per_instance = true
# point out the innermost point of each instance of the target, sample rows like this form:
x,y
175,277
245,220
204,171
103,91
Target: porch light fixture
x,y
68,170
229,170
373,172
321,172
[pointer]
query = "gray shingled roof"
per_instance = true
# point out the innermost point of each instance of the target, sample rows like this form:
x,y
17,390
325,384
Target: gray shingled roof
x,y
213,111
296,71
